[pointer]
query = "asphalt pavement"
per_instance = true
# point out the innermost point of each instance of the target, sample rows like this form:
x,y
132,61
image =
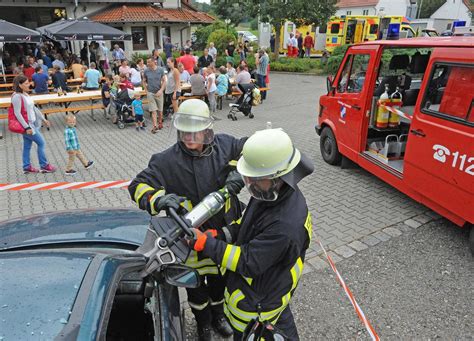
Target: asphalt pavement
x,y
418,286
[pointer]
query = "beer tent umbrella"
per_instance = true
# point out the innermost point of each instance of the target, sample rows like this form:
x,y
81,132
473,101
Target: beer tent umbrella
x,y
82,29
12,33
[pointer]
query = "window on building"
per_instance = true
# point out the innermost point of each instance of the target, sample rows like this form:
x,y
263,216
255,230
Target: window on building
x,y
139,40
365,12
448,92
374,29
335,28
348,12
353,75
165,33
120,42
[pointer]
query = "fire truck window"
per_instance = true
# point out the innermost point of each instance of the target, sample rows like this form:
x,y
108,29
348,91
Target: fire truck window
x,y
353,75
335,28
373,29
450,91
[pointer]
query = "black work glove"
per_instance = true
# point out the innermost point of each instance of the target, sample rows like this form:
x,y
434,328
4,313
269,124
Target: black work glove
x,y
169,200
234,183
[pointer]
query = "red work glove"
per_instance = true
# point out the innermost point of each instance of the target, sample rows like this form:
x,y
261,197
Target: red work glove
x,y
199,242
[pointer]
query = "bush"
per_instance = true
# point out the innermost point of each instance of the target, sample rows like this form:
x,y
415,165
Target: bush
x,y
295,65
221,38
254,24
335,59
202,33
136,56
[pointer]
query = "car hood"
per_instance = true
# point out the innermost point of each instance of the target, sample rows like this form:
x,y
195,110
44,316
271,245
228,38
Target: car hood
x,y
120,226
37,292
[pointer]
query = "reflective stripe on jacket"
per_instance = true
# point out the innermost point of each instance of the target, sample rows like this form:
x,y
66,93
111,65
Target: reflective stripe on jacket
x,y
177,171
266,259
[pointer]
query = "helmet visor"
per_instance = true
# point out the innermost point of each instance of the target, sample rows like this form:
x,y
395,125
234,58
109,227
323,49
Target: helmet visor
x,y
200,137
263,188
191,123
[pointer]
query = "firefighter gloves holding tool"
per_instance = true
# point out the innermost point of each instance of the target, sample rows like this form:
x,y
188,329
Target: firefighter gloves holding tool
x,y
234,183
200,238
169,201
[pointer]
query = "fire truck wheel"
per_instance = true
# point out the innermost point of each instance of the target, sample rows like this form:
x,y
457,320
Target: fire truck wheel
x,y
471,240
328,146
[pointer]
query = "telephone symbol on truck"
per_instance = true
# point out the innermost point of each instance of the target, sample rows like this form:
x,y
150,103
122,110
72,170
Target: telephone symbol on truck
x,y
440,155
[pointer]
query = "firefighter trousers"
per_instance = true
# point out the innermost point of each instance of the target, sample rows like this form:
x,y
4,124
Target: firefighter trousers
x,y
286,323
207,301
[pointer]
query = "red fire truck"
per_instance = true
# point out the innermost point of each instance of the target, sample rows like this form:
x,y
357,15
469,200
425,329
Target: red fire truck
x,y
404,111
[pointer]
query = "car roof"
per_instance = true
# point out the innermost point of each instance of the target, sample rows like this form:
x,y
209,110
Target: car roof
x,y
123,227
39,290
463,41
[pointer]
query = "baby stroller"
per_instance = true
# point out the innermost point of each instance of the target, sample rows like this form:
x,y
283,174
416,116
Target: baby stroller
x,y
123,106
249,97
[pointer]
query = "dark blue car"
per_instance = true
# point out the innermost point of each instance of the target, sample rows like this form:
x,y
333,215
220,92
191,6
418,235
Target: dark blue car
x,y
76,276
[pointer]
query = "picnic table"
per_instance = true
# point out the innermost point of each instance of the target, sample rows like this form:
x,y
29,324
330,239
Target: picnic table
x,y
91,96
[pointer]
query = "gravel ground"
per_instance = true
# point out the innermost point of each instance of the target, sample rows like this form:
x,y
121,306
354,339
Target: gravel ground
x,y
416,286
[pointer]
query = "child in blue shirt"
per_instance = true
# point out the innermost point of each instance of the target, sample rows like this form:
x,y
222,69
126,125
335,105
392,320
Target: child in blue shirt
x,y
73,147
137,110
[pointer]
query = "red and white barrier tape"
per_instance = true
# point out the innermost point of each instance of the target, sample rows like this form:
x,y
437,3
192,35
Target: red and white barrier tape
x,y
351,297
47,186
397,112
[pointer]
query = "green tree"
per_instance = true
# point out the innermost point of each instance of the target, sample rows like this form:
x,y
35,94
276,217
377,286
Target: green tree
x,y
230,9
428,7
276,12
203,33
221,38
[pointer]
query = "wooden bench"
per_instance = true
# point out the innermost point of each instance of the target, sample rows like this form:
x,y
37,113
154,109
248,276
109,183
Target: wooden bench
x,y
75,109
238,93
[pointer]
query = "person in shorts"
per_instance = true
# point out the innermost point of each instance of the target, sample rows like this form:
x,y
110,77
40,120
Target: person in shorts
x,y
155,83
137,110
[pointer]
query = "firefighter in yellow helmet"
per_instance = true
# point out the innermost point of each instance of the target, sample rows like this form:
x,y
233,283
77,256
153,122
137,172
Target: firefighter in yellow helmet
x,y
183,175
264,254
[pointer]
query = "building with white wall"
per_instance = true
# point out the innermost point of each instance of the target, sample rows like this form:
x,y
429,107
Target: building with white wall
x,y
375,7
455,9
148,21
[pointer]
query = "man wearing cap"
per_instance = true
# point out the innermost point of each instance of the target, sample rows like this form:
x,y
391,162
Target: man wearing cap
x,y
181,176
264,253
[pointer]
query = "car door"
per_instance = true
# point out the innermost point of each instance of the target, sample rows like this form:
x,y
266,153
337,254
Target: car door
x,y
349,99
440,150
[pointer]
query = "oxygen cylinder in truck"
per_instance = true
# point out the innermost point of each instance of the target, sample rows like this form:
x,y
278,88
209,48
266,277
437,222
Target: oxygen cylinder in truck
x,y
396,101
381,119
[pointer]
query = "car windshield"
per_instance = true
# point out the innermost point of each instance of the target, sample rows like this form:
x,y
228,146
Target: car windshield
x,y
37,292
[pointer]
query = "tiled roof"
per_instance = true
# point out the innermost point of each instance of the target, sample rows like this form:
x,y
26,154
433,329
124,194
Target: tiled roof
x,y
149,13
356,3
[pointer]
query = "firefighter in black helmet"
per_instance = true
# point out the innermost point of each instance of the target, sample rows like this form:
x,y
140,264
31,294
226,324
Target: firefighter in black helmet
x,y
264,253
181,176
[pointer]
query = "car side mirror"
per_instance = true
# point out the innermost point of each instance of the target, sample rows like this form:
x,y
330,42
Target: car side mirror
x,y
182,276
329,86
